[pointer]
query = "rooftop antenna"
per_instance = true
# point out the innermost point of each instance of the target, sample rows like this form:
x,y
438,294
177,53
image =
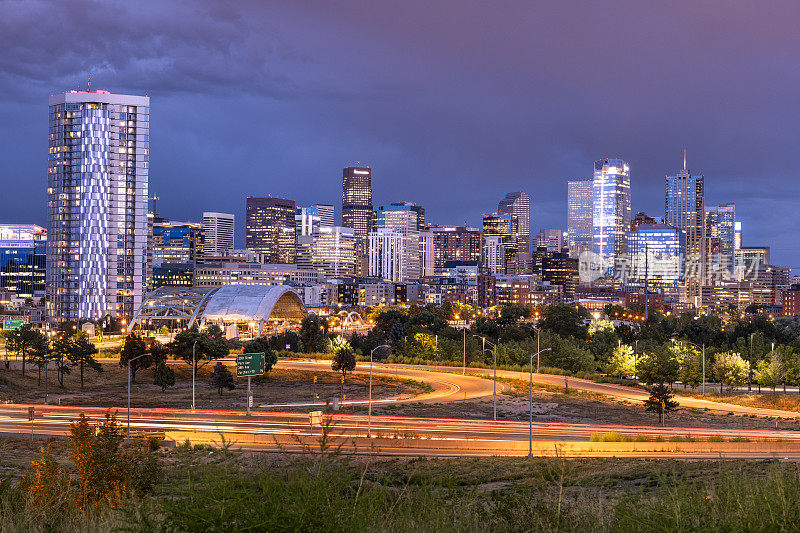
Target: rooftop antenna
x,y
89,84
684,159
155,199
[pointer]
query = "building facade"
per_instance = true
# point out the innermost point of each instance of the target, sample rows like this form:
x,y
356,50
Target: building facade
x,y
494,255
720,238
518,204
580,216
550,239
611,220
387,253
657,252
270,228
23,259
176,242
455,243
357,208
403,219
218,232
98,176
505,227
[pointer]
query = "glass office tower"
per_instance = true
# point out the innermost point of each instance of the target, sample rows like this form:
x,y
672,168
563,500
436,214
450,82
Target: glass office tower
x,y
720,237
580,215
611,220
357,209
518,204
270,228
23,259
99,152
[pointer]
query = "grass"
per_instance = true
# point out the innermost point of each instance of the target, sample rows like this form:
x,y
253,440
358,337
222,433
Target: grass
x,y
770,400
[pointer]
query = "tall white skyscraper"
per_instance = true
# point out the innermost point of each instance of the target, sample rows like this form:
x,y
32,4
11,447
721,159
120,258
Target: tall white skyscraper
x,y
99,153
519,204
580,213
611,221
427,254
494,254
403,219
386,252
218,231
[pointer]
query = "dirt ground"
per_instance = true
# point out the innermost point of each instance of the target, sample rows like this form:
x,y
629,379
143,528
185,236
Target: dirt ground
x,y
280,386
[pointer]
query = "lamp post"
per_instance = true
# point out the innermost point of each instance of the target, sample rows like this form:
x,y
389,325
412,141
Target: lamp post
x,y
750,377
530,419
538,336
494,382
369,409
193,371
129,389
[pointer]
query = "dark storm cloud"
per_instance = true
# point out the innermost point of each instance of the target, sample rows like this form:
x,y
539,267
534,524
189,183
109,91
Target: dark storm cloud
x,y
452,103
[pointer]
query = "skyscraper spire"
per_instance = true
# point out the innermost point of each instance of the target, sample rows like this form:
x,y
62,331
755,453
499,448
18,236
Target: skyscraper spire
x,y
684,159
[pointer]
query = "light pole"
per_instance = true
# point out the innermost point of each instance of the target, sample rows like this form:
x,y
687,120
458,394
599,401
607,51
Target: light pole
x,y
530,419
494,382
369,409
538,335
129,389
193,372
750,377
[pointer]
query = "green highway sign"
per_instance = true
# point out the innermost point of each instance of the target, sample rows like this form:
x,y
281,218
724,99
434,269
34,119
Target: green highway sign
x,y
249,364
13,324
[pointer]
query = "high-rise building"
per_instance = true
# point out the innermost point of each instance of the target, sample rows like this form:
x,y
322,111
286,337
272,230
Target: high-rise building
x,y
549,239
23,259
218,233
270,228
427,254
665,249
176,242
494,254
518,204
684,207
403,219
357,208
307,219
455,243
737,235
386,254
749,260
99,151
580,213
720,237
325,212
611,196
334,251
411,206
640,219
504,226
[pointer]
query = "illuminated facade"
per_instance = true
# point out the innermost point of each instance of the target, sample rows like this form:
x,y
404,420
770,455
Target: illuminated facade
x,y
334,251
307,219
518,204
427,254
357,207
684,207
505,227
270,228
403,219
99,151
720,237
665,247
494,254
549,239
386,254
176,242
218,231
580,214
455,243
611,220
23,259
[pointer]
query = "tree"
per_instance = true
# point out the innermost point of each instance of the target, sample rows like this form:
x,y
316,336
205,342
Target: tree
x,y
690,363
600,325
658,365
134,347
344,361
207,346
770,372
423,345
62,350
622,362
313,333
82,354
660,401
730,369
23,340
564,320
164,376
337,343
221,378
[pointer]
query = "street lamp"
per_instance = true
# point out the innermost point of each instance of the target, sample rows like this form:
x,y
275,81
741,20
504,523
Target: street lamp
x,y
369,411
193,371
530,420
129,389
494,382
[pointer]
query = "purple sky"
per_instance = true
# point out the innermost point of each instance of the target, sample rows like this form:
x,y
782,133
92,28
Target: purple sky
x,y
451,103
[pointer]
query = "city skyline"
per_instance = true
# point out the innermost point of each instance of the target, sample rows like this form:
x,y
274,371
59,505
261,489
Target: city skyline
x,y
209,125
